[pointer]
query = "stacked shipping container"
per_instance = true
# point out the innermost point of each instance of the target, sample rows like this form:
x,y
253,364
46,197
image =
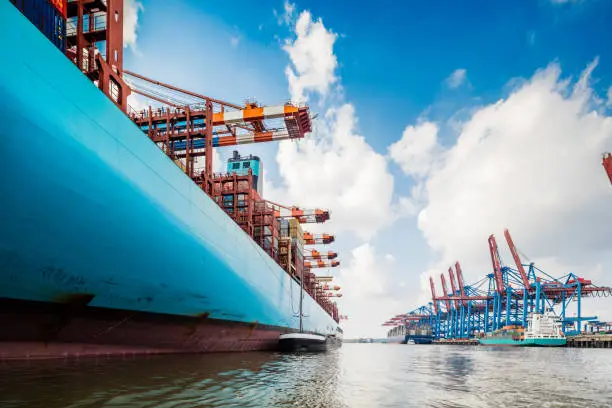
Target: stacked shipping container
x,y
49,16
281,238
265,227
235,194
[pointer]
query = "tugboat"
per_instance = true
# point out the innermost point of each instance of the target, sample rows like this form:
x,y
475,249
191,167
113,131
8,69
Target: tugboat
x,y
543,330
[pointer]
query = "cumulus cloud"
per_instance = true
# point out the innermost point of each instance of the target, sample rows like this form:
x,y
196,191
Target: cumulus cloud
x,y
529,162
365,283
131,9
609,100
334,167
137,102
416,151
339,170
457,78
313,59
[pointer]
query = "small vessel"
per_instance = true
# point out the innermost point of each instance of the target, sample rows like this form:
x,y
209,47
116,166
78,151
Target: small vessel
x,y
543,330
301,341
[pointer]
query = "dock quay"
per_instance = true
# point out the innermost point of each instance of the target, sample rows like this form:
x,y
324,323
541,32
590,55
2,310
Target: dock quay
x,y
578,341
457,342
590,341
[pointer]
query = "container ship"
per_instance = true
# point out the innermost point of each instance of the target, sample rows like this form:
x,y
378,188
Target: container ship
x,y
410,334
543,330
113,241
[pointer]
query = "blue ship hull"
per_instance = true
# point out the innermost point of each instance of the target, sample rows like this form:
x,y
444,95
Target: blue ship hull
x,y
421,339
100,229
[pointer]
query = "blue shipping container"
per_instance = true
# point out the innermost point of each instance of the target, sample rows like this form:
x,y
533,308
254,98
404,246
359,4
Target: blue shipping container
x,y
46,18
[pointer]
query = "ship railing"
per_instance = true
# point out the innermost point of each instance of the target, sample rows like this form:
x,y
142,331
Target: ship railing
x,y
99,24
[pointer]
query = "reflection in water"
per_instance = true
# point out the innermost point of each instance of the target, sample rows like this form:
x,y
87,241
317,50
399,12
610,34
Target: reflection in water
x,y
358,375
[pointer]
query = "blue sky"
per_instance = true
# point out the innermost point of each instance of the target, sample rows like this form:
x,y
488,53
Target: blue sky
x,y
395,65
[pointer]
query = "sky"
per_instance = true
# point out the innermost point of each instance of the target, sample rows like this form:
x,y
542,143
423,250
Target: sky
x,y
439,123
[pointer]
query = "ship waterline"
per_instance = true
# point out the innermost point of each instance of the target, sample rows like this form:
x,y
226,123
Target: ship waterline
x,y
97,218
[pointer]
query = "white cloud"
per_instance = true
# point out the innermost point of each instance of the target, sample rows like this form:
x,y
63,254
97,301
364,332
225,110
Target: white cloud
x,y
457,78
337,169
334,167
234,41
313,59
609,101
287,16
365,282
530,162
416,151
137,102
131,8
289,12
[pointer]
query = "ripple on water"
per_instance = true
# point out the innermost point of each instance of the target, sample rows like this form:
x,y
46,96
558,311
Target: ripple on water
x,y
358,375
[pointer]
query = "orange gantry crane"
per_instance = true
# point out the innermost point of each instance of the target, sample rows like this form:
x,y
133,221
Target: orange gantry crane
x,y
607,164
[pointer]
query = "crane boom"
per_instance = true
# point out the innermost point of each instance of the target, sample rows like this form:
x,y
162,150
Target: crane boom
x,y
433,294
517,259
451,275
499,281
317,239
303,216
316,255
447,301
460,280
320,264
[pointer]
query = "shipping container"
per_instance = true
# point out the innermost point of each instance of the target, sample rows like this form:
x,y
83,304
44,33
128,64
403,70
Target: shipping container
x,y
49,20
61,6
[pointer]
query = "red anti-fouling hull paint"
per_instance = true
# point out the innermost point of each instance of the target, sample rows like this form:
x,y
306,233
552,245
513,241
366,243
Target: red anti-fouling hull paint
x,y
45,330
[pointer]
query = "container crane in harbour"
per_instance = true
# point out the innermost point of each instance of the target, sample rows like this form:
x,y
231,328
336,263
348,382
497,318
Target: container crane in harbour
x,y
504,297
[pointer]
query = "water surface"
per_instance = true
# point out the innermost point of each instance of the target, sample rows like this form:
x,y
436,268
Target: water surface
x,y
357,375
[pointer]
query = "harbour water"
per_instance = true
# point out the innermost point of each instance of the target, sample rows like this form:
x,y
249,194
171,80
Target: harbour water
x,y
357,375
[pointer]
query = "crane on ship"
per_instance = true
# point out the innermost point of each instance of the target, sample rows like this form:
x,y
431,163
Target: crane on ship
x,y
318,239
314,255
303,216
320,264
189,124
